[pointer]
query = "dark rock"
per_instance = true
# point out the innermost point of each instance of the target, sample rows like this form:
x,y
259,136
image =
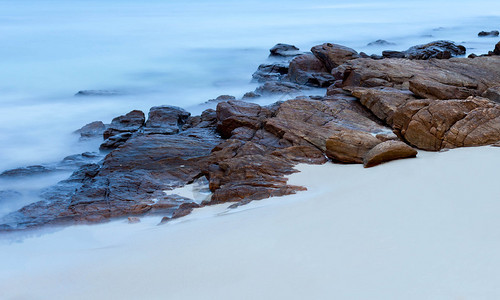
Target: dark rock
x,y
92,130
493,94
222,98
437,49
165,120
251,95
393,54
78,160
284,50
130,122
381,43
27,171
333,55
99,93
269,72
493,33
472,55
387,151
274,87
115,141
497,49
308,70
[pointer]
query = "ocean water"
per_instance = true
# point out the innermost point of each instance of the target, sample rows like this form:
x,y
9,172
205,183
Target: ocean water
x,y
178,53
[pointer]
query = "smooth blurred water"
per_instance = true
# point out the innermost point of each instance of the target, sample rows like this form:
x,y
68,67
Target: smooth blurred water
x,y
179,53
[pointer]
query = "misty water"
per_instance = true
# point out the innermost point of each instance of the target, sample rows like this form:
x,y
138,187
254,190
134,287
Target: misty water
x,y
175,53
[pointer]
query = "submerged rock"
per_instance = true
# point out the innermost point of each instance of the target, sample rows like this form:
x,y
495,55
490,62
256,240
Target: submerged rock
x,y
381,43
92,130
99,93
27,171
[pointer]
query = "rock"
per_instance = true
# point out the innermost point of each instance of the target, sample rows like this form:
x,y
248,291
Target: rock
x,y
251,95
9,196
435,125
393,54
437,49
306,69
165,120
99,93
333,55
493,33
493,94
92,130
270,72
130,122
221,98
439,79
274,87
78,160
134,220
27,171
497,49
379,43
387,151
284,50
115,141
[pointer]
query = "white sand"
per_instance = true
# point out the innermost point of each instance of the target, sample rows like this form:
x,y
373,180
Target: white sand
x,y
425,228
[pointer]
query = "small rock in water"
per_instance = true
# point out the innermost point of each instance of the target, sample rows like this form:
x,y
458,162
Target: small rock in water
x,y
221,98
133,220
284,50
381,43
27,171
91,130
393,54
99,93
250,95
493,33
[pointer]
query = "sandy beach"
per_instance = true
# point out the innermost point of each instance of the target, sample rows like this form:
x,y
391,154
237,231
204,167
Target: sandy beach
x,y
424,228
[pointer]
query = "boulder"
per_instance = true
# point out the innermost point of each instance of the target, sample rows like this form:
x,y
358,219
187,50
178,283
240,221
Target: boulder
x,y
437,49
284,50
130,122
496,51
270,72
92,130
165,120
387,151
333,55
308,70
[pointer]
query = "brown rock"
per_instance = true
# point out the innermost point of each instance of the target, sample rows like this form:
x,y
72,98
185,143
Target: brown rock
x,y
333,55
306,69
493,94
387,151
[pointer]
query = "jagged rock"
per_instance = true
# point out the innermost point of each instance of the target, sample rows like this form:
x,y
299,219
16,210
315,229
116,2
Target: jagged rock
x,y
387,151
496,51
91,130
333,55
165,120
308,70
130,122
115,141
493,94
78,160
380,43
269,72
493,33
284,50
437,49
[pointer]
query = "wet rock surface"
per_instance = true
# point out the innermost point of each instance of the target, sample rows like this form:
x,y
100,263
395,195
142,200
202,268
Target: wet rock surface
x,y
374,111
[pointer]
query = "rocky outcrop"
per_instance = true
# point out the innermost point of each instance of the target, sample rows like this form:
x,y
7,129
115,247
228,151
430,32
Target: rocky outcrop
x,y
437,49
92,130
271,72
375,111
